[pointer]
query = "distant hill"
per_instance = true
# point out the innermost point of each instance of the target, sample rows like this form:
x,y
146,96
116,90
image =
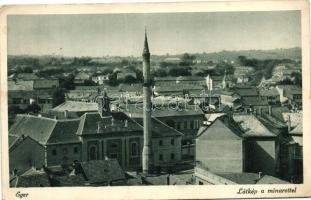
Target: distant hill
x,y
291,53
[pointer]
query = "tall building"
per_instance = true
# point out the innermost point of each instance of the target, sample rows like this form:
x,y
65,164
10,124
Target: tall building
x,y
147,151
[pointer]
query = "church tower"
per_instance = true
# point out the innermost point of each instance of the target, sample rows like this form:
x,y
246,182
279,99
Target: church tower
x,y
147,151
103,104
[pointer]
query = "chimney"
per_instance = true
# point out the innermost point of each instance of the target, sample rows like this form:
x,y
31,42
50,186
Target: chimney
x,y
66,114
288,124
99,127
259,175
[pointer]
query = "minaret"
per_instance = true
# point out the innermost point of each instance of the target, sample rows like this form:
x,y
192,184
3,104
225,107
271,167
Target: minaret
x,y
147,152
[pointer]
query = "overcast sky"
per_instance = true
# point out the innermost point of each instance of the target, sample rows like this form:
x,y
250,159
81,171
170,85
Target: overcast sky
x,y
173,33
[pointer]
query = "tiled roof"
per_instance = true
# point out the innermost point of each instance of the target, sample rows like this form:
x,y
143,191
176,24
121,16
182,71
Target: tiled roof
x,y
241,178
297,130
254,101
269,92
90,122
100,171
225,127
295,118
266,179
160,129
65,131
45,83
76,106
277,112
136,111
68,180
246,92
178,87
31,179
45,130
38,128
27,76
251,126
20,85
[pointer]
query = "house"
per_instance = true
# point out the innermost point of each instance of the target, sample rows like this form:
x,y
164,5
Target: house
x,y
45,84
26,76
205,177
20,85
172,60
73,109
58,137
219,147
81,77
24,153
187,119
237,143
177,89
31,178
271,94
290,94
126,73
184,80
100,78
90,173
261,146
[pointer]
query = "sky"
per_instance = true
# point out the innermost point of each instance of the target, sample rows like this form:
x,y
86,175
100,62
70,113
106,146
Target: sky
x,y
173,33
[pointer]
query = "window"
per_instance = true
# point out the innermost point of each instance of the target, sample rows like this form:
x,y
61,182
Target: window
x,y
172,156
113,156
93,153
160,157
65,151
75,150
172,141
192,124
160,143
54,152
134,149
114,145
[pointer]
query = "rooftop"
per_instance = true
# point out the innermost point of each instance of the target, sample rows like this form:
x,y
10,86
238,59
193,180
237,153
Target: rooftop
x,y
75,106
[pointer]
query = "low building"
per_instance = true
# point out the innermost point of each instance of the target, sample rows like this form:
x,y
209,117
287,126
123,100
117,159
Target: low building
x,y
24,153
45,84
73,109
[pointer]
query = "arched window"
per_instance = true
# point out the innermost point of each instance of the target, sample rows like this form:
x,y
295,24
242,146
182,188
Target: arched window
x,y
134,149
93,153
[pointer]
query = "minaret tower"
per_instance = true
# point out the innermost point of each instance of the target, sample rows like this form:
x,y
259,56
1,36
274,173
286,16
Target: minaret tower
x,y
147,152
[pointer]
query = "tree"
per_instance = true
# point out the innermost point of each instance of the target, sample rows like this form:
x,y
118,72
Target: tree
x,y
89,83
179,71
187,59
129,79
58,95
33,108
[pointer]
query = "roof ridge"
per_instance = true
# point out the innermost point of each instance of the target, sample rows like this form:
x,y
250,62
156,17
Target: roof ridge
x,y
38,117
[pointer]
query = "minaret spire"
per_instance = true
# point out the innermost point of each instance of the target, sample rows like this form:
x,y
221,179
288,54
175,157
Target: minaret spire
x,y
146,46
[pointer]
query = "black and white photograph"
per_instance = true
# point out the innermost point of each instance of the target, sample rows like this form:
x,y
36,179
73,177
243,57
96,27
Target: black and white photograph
x,y
155,99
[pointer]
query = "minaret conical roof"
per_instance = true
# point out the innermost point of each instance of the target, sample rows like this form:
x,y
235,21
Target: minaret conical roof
x,y
146,46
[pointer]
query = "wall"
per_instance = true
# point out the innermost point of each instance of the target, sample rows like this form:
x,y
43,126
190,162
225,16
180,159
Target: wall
x,y
64,154
220,155
28,153
166,149
260,156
